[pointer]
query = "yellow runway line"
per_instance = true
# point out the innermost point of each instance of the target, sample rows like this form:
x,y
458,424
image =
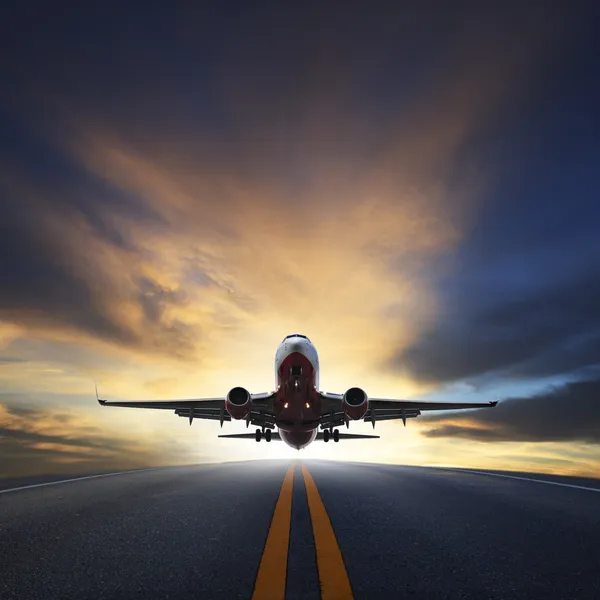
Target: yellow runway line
x,y
272,572
333,578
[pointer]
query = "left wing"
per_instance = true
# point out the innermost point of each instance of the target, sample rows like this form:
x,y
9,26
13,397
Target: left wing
x,y
386,410
383,409
202,408
379,403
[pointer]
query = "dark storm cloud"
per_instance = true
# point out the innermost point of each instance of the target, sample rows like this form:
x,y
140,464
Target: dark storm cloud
x,y
49,279
38,283
551,331
53,212
564,413
520,296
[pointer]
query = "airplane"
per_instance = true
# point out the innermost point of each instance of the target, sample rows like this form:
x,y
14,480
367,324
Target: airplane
x,y
297,408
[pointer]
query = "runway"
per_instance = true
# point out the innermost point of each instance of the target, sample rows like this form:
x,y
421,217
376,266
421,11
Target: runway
x,y
351,530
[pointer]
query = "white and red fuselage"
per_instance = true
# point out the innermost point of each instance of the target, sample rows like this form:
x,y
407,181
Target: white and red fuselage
x,y
297,406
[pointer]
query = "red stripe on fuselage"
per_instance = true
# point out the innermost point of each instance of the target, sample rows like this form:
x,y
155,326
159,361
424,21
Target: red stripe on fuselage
x,y
297,404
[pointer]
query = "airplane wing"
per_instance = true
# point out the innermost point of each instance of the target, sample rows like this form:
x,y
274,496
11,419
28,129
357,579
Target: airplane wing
x,y
387,410
276,437
383,409
380,403
202,408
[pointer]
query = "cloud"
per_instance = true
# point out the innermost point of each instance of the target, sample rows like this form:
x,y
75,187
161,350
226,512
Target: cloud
x,y
11,360
317,194
304,193
564,413
308,171
520,294
550,331
43,441
62,276
309,182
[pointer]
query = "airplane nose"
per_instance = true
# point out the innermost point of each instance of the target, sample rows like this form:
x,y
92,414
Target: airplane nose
x,y
297,347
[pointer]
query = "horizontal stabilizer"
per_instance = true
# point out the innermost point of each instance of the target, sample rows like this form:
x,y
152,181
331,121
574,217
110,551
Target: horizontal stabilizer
x,y
275,436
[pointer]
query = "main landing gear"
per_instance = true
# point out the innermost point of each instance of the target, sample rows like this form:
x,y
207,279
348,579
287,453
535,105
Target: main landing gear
x,y
259,434
327,433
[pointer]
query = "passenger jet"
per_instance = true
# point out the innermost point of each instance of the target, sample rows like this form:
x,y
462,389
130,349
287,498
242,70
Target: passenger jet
x,y
297,408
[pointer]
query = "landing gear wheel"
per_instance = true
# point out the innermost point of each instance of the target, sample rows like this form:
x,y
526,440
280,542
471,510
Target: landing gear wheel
x,y
326,435
258,435
336,435
267,435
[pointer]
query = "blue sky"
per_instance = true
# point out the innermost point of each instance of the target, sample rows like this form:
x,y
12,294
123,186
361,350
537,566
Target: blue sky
x,y
413,187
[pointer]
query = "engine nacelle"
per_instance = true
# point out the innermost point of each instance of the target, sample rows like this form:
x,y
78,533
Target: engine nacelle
x,y
238,403
355,403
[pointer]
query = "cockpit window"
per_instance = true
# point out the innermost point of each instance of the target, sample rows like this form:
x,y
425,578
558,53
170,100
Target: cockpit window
x,y
295,335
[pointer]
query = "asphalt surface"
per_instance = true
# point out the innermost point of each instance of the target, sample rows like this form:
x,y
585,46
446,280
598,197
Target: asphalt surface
x,y
404,532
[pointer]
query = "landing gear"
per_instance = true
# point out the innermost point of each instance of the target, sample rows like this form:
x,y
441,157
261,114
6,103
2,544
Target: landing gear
x,y
258,435
267,435
328,434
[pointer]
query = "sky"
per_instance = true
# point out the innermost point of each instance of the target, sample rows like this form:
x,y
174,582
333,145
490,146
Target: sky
x,y
414,187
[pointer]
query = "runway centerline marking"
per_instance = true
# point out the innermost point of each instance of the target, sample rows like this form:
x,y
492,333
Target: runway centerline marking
x,y
568,485
333,577
272,571
46,483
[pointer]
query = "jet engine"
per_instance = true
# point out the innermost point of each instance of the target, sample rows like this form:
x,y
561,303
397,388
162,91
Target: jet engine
x,y
238,403
355,403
